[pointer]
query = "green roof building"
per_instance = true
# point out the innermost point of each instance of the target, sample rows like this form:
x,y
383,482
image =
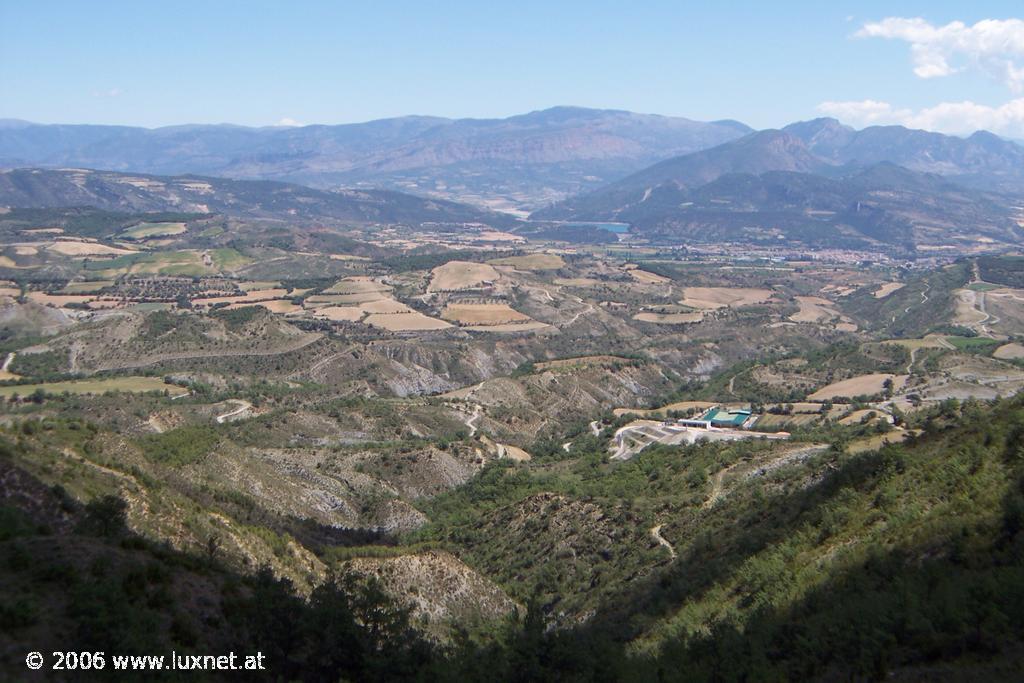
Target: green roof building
x,y
730,419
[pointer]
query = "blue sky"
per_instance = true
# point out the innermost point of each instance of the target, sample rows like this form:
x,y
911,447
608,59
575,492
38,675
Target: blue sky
x,y
260,63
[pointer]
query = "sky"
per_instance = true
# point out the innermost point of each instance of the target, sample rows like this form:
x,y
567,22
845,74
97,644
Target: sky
x,y
948,66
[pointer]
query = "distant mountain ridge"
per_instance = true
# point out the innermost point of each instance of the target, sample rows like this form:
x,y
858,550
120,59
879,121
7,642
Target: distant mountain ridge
x,y
112,191
823,184
981,160
524,160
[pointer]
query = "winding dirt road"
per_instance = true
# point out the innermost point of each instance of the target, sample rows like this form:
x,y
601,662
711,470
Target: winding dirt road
x,y
242,407
656,535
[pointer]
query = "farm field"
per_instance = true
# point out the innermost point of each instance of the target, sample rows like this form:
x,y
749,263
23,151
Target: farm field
x,y
817,310
251,296
74,248
145,230
357,285
405,322
95,386
461,275
863,385
668,318
531,262
784,422
482,314
340,313
887,289
279,306
530,326
646,277
678,406
722,297
1011,351
576,281
86,287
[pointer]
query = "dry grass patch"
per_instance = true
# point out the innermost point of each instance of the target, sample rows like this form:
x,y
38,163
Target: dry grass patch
x,y
405,322
279,306
679,407
459,275
86,287
58,300
887,289
340,313
385,306
343,299
647,278
1009,351
863,385
531,262
669,318
357,285
576,281
69,248
95,386
483,314
144,230
250,297
723,297
814,309
966,311
509,327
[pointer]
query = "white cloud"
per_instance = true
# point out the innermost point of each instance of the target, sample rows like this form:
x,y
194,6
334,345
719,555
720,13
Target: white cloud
x,y
111,92
955,118
994,46
288,122
864,112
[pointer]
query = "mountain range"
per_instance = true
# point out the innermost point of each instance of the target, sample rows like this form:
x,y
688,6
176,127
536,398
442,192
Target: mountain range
x,y
814,183
521,161
822,183
264,199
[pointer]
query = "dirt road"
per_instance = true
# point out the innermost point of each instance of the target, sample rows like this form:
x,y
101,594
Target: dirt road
x,y
242,407
656,535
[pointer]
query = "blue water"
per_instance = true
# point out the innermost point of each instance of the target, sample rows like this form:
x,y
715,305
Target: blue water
x,y
610,227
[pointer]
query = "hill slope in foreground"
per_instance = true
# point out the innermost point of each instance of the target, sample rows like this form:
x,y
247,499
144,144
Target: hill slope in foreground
x,y
906,563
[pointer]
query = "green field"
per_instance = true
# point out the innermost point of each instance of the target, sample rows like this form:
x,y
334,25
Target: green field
x,y
94,386
974,344
228,259
982,286
146,230
152,263
90,287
